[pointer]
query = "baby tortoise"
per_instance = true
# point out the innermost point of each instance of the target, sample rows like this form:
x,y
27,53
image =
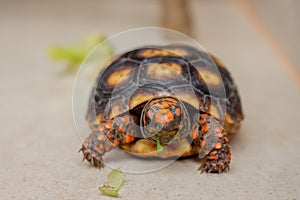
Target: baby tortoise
x,y
176,95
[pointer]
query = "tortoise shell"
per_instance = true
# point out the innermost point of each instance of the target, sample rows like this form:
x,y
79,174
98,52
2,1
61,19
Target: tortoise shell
x,y
192,76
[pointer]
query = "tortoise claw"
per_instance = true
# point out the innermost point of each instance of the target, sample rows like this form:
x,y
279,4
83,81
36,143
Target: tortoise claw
x,y
97,163
203,168
90,156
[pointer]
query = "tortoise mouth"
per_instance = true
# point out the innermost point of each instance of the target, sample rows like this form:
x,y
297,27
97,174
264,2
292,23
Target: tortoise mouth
x,y
166,137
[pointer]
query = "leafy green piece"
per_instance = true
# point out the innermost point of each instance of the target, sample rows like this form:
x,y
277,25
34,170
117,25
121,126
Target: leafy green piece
x,y
116,178
109,191
75,54
115,182
159,148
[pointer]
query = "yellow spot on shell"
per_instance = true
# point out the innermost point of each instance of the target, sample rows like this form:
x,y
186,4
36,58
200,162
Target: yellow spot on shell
x,y
140,98
191,99
229,119
116,110
99,118
217,61
211,78
179,52
164,70
187,94
118,77
163,52
214,112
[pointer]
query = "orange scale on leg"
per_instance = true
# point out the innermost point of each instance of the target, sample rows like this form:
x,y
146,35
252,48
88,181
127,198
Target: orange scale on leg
x,y
107,148
107,143
109,135
98,150
214,152
116,143
228,158
217,129
202,121
124,119
205,128
108,126
101,137
120,129
203,144
220,135
213,157
129,138
218,145
204,115
101,146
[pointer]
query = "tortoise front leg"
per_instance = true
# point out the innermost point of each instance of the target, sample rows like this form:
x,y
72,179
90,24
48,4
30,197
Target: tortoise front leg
x,y
214,145
105,136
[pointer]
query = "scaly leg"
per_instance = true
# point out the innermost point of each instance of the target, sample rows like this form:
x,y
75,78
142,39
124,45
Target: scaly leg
x,y
104,137
214,145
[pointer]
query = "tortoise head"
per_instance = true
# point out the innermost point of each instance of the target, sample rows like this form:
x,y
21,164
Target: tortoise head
x,y
165,120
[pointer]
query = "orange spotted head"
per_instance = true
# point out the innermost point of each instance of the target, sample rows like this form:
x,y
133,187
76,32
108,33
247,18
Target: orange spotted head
x,y
164,119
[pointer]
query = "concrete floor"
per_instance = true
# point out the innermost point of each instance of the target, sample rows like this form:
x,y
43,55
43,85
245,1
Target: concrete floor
x,y
38,140
281,18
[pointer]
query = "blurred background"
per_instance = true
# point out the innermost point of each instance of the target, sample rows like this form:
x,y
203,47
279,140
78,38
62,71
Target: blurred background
x,y
257,39
37,22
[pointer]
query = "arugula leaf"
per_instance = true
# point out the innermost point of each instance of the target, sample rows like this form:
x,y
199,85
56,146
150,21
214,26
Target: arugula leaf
x,y
109,191
115,182
116,178
159,148
75,54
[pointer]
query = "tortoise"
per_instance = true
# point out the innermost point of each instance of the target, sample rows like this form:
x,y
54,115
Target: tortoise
x,y
175,97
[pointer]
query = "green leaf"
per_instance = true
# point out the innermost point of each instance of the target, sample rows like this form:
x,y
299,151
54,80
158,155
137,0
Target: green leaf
x,y
115,182
159,148
116,178
75,54
109,191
